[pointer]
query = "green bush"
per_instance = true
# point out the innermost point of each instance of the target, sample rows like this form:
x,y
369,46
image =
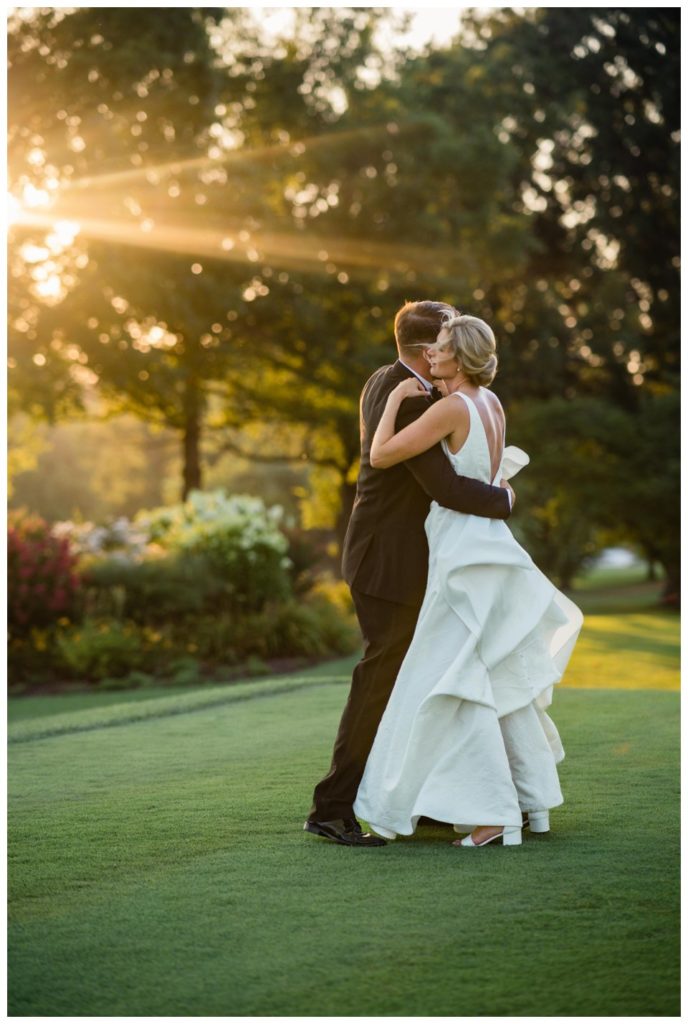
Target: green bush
x,y
156,590
220,638
307,552
32,658
185,672
116,654
97,649
254,666
132,681
238,536
315,628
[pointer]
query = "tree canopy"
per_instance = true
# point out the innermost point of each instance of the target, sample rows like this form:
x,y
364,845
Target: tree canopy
x,y
213,230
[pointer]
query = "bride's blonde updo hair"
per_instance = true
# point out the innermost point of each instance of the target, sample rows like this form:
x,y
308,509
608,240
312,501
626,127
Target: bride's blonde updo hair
x,y
472,343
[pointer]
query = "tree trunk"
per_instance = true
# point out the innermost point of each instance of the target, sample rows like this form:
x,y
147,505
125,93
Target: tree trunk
x,y
671,593
652,557
192,438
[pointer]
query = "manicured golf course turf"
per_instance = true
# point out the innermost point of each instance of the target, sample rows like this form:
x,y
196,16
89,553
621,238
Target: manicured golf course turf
x,y
157,863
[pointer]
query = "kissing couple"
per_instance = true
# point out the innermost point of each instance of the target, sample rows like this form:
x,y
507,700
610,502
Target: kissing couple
x,y
464,637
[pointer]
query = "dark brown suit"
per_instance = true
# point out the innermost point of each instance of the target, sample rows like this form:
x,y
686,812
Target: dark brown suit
x,y
385,563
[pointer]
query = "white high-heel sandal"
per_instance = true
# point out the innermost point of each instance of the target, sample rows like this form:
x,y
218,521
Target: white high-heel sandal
x,y
510,836
538,821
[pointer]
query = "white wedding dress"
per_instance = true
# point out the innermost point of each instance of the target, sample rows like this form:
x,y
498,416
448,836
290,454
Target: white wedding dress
x,y
465,737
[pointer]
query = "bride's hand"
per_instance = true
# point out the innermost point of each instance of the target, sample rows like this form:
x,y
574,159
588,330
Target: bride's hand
x,y
507,486
410,388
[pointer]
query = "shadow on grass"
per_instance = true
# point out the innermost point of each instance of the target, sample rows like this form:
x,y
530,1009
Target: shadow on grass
x,y
636,597
664,653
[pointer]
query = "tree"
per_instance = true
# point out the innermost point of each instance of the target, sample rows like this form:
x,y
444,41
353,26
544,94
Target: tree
x,y
89,96
257,213
154,331
597,471
647,500
590,98
567,492
324,323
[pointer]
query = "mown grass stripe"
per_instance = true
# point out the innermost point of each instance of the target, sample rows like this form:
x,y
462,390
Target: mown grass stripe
x,y
162,707
163,870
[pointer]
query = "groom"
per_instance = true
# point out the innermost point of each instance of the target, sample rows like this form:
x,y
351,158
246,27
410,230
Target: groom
x,y
385,563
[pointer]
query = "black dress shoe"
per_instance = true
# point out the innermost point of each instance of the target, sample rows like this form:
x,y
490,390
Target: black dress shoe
x,y
345,832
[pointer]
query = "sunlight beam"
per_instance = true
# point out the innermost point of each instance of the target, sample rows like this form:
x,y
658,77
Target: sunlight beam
x,y
291,148
294,250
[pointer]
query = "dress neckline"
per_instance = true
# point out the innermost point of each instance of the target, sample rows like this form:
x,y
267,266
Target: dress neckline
x,y
472,404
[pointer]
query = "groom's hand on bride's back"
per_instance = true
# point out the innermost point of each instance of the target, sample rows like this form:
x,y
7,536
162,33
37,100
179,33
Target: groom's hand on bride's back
x,y
512,493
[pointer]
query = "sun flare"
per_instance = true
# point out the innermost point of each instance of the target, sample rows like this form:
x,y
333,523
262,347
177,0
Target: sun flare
x,y
31,198
14,209
80,207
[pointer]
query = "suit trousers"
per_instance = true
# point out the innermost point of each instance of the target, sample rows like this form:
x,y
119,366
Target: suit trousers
x,y
387,629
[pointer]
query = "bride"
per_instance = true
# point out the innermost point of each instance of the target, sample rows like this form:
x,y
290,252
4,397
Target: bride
x,y
465,737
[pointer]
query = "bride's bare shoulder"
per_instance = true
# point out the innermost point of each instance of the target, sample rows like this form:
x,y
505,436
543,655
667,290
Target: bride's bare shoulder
x,y
458,410
493,402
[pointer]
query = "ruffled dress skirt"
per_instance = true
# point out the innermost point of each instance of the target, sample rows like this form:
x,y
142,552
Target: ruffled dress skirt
x,y
466,737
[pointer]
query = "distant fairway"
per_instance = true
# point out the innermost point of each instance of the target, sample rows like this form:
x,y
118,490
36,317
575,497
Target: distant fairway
x,y
158,866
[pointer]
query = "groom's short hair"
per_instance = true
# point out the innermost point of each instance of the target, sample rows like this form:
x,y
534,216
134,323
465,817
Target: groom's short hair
x,y
419,323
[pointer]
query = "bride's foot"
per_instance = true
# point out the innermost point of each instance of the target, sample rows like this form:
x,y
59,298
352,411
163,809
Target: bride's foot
x,y
510,835
482,834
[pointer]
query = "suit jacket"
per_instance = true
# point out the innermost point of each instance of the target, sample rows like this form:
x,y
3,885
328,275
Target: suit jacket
x,y
385,550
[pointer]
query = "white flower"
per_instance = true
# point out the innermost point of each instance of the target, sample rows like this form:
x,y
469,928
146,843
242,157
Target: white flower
x,y
209,520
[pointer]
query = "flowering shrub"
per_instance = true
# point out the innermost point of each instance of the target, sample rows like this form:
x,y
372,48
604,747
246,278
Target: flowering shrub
x,y
311,628
182,591
42,583
31,656
111,649
238,535
121,538
99,649
314,628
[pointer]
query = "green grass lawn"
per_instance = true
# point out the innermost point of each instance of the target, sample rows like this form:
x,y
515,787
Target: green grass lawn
x,y
157,863
633,651
620,651
26,708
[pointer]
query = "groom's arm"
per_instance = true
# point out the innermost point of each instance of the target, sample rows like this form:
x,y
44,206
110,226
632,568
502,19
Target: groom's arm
x,y
435,474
